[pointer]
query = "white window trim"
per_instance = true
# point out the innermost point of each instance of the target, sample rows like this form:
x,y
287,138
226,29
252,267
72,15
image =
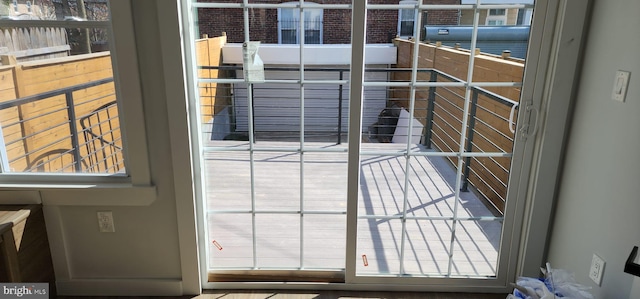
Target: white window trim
x,y
562,56
298,28
133,188
400,15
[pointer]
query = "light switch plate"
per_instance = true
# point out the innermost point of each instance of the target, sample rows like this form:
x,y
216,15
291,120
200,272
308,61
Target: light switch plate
x,y
620,84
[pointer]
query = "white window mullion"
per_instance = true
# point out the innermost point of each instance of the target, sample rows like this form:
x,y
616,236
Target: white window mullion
x,y
301,33
412,104
358,40
463,135
245,11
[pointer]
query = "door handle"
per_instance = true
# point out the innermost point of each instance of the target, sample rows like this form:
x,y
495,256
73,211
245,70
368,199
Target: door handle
x,y
511,115
524,130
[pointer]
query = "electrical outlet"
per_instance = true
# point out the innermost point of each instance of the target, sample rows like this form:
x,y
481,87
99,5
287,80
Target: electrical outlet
x,y
105,222
620,85
597,269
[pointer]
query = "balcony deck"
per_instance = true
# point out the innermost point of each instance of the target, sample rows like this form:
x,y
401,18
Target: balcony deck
x,y
278,238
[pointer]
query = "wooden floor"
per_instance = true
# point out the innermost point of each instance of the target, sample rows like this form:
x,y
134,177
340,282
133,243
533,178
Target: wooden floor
x,y
244,294
341,294
425,247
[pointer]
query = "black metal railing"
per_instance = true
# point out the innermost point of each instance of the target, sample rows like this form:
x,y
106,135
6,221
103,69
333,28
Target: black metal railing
x,y
97,145
102,144
488,98
262,94
440,111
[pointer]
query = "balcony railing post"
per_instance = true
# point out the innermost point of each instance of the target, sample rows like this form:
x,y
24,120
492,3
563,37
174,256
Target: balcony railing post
x,y
340,109
430,106
469,146
253,114
74,131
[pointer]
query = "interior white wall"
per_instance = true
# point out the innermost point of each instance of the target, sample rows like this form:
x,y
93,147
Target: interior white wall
x,y
598,202
143,256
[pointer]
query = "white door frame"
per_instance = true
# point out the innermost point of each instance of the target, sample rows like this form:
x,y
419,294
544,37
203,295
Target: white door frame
x,y
546,89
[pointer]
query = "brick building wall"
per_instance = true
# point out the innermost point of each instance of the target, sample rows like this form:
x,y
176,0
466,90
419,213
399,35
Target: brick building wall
x,y
442,17
382,25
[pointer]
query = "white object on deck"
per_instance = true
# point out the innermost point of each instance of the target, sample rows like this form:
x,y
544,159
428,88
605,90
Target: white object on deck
x,y
402,129
252,64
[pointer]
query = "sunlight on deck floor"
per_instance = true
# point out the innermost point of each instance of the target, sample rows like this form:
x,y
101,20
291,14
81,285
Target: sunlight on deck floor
x,y
427,242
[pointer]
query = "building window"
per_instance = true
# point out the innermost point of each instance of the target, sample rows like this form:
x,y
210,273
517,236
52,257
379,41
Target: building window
x,y
524,17
289,25
406,20
60,120
496,17
497,12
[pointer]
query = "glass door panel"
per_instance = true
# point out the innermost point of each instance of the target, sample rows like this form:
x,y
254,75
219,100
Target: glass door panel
x,y
274,150
324,245
278,241
427,247
434,171
379,246
230,240
434,146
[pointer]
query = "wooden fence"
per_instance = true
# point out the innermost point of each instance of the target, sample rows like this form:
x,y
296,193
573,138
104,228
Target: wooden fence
x,y
59,115
490,123
28,44
213,97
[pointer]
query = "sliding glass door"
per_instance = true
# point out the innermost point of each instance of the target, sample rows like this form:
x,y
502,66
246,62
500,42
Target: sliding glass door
x,y
368,159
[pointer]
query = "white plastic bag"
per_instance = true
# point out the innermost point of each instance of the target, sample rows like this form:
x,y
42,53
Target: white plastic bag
x,y
564,284
557,283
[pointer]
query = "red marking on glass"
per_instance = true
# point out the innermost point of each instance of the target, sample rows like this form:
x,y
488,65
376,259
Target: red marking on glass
x,y
217,245
364,260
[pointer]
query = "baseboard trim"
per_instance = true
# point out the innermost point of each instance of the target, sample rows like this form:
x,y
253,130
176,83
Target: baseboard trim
x,y
119,287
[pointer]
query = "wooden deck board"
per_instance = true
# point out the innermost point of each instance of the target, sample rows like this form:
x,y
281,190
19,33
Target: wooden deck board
x,y
277,187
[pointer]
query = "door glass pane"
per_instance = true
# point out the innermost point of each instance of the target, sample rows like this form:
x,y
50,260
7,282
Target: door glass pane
x,y
436,144
324,244
230,240
277,192
59,111
379,246
274,152
278,241
427,247
325,182
436,162
227,180
476,248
